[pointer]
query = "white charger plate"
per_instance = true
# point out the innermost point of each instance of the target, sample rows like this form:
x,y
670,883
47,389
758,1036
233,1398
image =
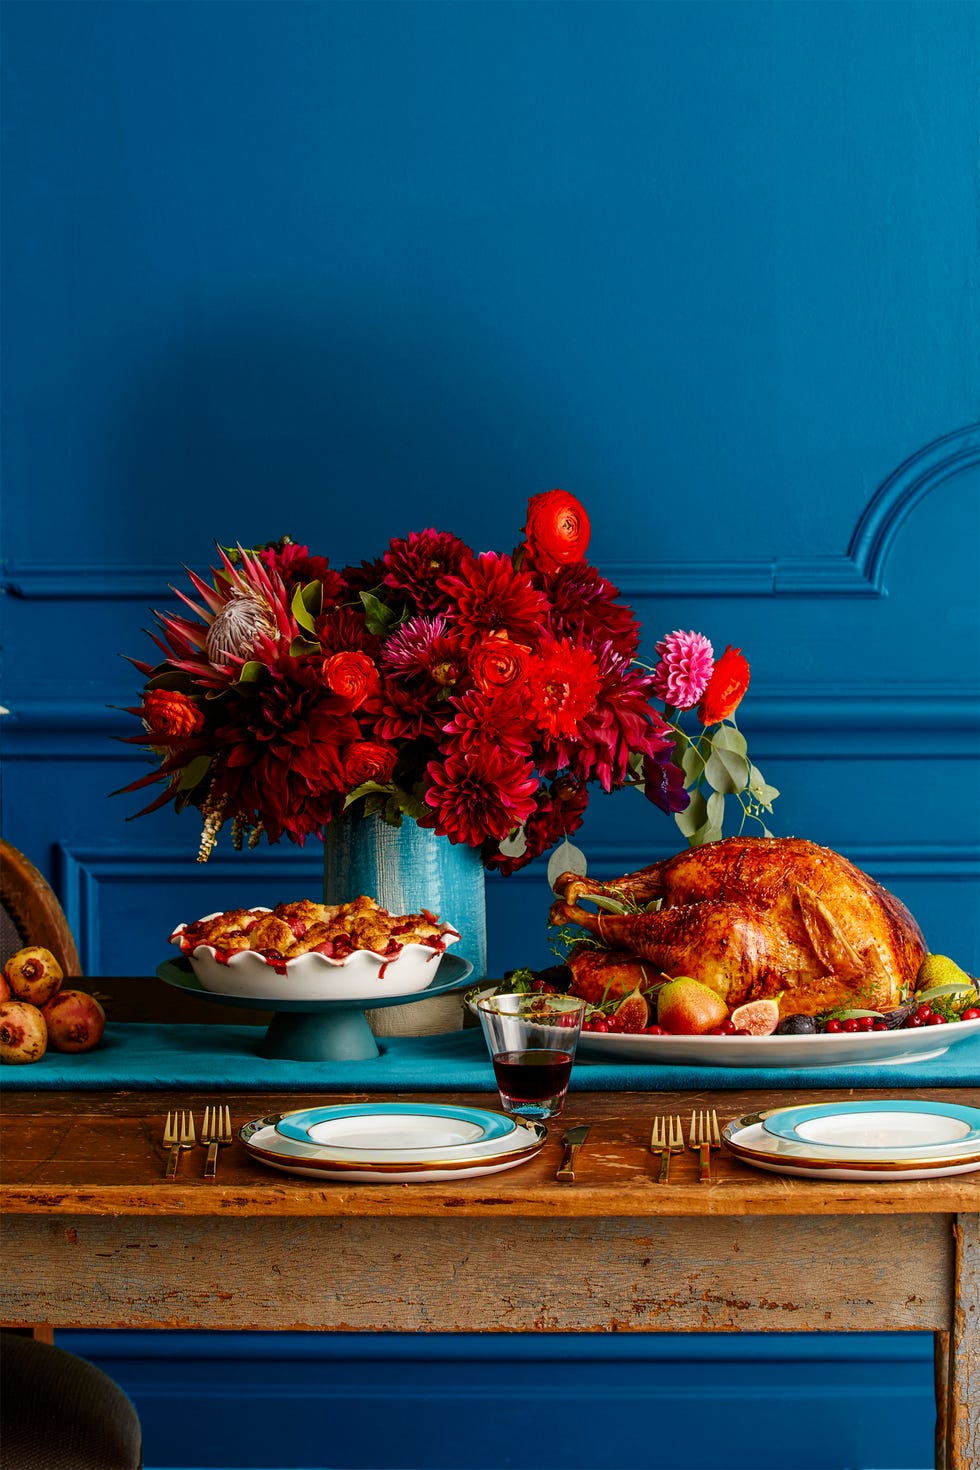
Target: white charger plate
x,y
364,975
896,1125
746,1137
313,1161
400,1132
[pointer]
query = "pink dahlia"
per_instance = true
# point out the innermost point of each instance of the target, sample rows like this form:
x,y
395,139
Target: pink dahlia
x,y
479,794
409,649
489,596
686,662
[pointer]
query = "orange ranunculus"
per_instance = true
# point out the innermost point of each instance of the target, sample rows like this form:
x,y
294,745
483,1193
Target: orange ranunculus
x,y
497,663
726,687
557,529
352,675
168,712
368,760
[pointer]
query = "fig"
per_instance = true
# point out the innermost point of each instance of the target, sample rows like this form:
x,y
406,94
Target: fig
x,y
633,1013
75,1021
688,1007
33,974
757,1017
23,1032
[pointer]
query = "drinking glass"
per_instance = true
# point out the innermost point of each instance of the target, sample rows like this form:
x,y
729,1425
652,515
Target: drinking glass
x,y
532,1041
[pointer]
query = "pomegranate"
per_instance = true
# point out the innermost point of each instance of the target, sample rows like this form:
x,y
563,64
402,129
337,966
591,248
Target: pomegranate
x,y
75,1021
23,1032
33,974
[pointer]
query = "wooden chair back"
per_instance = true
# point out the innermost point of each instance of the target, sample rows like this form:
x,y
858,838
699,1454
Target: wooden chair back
x,y
30,912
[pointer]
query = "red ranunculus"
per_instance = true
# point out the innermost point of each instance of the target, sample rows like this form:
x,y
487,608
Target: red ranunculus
x,y
352,675
557,529
726,687
168,712
368,760
497,663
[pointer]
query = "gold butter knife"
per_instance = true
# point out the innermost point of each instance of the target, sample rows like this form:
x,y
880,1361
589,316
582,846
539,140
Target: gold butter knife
x,y
573,1141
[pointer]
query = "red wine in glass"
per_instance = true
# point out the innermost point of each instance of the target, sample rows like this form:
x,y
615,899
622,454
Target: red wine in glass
x,y
533,1082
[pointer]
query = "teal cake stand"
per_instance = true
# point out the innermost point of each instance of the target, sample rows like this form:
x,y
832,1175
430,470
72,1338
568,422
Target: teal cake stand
x,y
318,1030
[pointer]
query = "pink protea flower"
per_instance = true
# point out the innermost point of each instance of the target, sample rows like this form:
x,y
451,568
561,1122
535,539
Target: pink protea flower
x,y
686,662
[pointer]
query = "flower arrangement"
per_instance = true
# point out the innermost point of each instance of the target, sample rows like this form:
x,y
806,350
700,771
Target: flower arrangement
x,y
479,694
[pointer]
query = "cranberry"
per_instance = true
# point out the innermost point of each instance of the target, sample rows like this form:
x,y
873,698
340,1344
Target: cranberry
x,y
851,1024
739,1032
914,1020
598,1025
834,1025
880,1026
727,1027
655,1031
935,1020
923,1011
612,1024
865,1023
972,1013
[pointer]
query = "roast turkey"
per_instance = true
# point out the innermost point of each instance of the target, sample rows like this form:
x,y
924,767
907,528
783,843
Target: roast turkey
x,y
757,917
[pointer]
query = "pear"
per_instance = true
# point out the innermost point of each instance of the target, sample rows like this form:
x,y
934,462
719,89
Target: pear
x,y
688,1007
939,969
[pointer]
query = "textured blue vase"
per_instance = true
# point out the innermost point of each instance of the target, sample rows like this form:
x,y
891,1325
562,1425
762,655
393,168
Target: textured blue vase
x,y
406,869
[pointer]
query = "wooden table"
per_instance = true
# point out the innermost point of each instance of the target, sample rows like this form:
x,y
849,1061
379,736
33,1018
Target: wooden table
x,y
93,1236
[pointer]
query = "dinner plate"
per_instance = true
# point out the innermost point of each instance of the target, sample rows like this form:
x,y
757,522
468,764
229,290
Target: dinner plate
x,y
390,1132
746,1137
314,1161
897,1124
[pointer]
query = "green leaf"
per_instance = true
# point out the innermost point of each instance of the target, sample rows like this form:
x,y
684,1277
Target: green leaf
x,y
726,737
194,772
692,764
764,794
303,647
306,605
379,617
727,771
251,672
694,817
366,788
952,987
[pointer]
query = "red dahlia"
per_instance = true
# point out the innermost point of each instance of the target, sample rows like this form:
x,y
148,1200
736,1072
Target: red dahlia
x,y
479,793
562,685
414,568
491,597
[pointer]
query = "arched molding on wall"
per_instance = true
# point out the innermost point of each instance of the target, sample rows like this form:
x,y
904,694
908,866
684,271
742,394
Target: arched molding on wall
x,y
858,572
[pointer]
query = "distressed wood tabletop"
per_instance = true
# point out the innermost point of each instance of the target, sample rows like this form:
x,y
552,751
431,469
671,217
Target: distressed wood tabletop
x,y
93,1235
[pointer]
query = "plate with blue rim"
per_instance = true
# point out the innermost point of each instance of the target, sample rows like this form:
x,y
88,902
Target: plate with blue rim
x,y
898,1126
391,1132
352,1166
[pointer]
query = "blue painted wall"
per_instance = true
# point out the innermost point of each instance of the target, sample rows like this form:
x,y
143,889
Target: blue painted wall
x,y
343,270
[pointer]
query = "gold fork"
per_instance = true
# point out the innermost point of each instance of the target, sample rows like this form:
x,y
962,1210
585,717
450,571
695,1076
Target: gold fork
x,y
666,1138
215,1130
178,1133
703,1137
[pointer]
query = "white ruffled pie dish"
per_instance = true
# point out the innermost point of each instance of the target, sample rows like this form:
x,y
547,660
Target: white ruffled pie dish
x,y
363,975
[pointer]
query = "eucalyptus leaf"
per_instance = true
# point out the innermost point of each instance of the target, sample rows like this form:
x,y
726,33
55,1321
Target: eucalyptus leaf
x,y
566,858
514,845
708,833
726,771
694,816
716,810
764,794
610,903
727,737
856,1015
692,764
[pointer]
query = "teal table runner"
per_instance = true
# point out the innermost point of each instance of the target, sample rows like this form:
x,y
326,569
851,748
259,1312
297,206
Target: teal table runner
x,y
141,1057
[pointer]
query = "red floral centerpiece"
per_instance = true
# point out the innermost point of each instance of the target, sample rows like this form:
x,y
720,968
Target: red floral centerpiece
x,y
479,694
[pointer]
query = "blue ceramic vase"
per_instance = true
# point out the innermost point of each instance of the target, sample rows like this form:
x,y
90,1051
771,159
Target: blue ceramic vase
x,y
408,868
